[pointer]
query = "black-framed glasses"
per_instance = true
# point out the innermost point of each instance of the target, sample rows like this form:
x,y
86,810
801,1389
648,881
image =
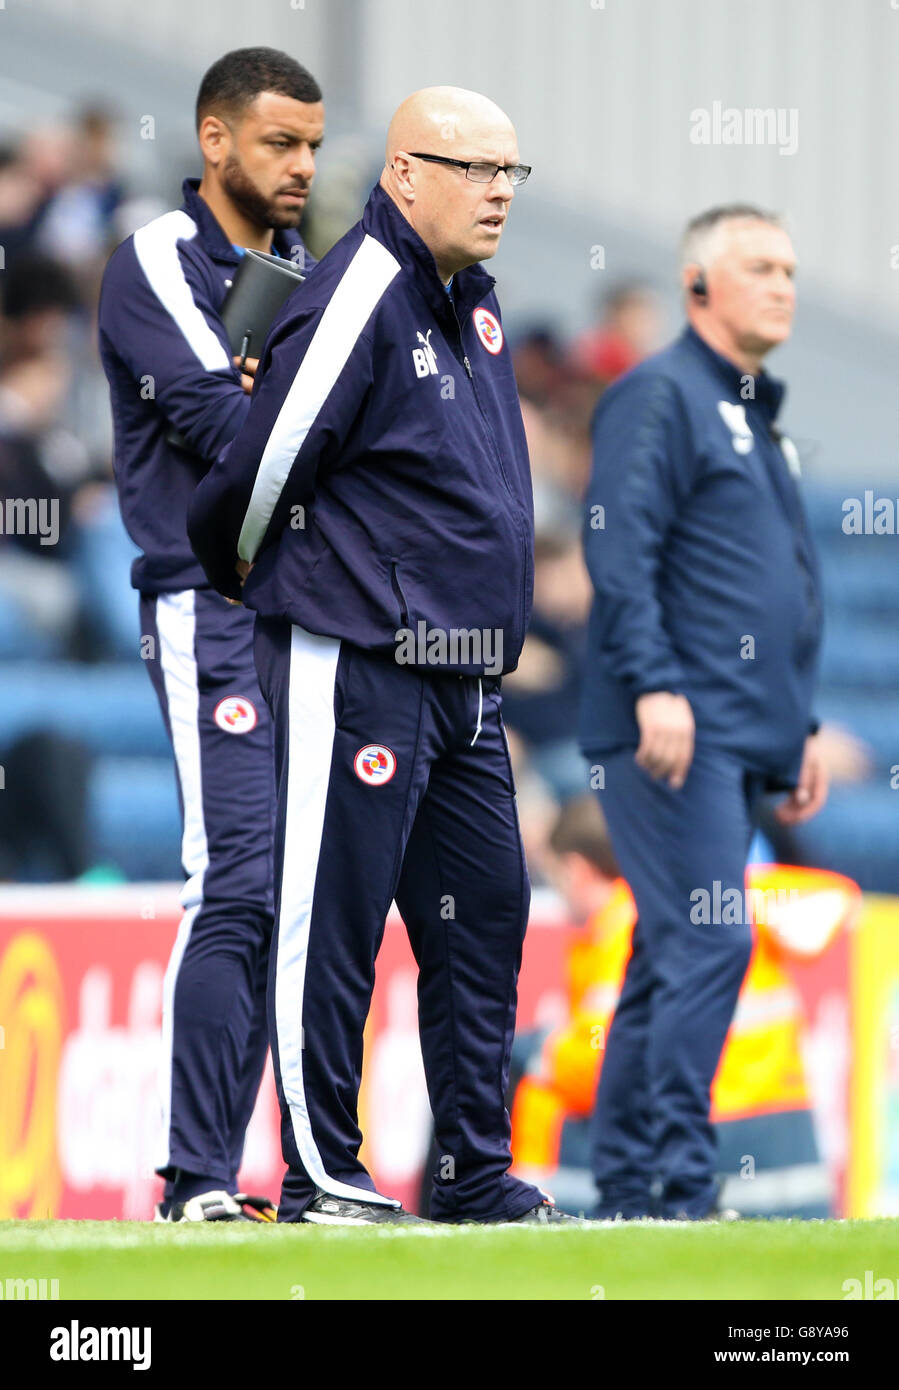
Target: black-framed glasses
x,y
477,171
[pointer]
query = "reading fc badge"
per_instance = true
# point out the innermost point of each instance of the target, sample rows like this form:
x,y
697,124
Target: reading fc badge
x,y
235,715
489,330
374,764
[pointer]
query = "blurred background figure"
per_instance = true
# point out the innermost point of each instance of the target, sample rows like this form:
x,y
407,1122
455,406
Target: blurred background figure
x,y
540,698
39,457
78,218
630,326
21,202
700,680
761,1097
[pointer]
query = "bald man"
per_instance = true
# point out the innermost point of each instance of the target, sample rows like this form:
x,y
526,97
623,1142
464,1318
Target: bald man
x,y
378,504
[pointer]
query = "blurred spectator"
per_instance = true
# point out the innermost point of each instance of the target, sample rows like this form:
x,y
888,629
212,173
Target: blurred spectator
x,y
20,204
629,329
78,221
761,1102
41,464
43,809
557,404
541,367
540,698
64,555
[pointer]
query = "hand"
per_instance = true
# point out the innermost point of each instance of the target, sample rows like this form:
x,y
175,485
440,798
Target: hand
x,y
247,371
810,793
243,568
667,736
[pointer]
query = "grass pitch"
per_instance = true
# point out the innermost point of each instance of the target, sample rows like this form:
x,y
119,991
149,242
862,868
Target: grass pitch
x,y
779,1260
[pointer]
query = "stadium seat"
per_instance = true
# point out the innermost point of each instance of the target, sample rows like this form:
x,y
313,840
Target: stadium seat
x,y
856,834
133,806
110,708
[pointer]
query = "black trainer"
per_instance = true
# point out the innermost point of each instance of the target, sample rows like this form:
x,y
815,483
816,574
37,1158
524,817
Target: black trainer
x,y
546,1213
327,1210
220,1206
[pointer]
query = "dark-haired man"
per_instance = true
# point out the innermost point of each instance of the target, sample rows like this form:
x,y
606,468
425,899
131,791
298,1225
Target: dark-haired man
x,y
171,375
701,665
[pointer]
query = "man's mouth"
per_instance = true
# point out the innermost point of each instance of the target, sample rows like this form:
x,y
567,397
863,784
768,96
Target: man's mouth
x,y
494,223
298,195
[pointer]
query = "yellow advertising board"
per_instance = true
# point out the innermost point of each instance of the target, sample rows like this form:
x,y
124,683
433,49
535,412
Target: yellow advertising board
x,y
874,1164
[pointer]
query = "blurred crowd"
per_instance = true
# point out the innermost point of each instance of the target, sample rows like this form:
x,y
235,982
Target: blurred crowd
x,y
560,383
61,200
64,570
64,556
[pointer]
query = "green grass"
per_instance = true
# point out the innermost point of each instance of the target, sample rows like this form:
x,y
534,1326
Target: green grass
x,y
747,1260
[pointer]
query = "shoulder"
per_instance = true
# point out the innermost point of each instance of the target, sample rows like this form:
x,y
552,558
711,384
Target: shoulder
x,y
358,265
656,386
155,252
348,286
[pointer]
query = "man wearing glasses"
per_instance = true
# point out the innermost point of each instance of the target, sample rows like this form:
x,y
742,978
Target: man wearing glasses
x,y
378,503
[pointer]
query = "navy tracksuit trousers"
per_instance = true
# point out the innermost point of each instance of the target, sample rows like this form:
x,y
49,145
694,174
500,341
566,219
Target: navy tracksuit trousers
x,y
651,1130
393,782
215,1035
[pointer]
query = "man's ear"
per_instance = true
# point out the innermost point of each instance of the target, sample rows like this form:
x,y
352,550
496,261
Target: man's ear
x,y
214,139
403,170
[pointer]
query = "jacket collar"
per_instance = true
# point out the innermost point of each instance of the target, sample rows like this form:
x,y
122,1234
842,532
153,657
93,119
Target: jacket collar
x,y
383,220
212,235
768,390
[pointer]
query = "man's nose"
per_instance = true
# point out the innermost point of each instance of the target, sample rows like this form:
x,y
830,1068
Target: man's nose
x,y
303,163
502,186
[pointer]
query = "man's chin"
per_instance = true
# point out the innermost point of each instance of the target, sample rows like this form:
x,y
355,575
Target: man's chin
x,y
284,219
486,248
766,342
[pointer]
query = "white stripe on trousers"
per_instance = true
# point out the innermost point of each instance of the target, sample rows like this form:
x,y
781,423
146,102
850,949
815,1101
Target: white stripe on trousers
x,y
313,672
176,628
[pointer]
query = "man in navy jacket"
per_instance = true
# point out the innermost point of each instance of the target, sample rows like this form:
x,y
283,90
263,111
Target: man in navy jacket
x,y
379,501
177,399
698,690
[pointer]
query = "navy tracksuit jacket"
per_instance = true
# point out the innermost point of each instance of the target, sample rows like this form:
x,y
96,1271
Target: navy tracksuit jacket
x,y
706,585
167,358
381,485
696,539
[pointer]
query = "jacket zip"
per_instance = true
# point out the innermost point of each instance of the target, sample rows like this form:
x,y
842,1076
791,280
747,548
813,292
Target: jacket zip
x,y
398,594
470,373
498,456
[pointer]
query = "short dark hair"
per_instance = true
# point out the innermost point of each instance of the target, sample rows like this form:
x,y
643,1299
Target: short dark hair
x,y
235,80
581,829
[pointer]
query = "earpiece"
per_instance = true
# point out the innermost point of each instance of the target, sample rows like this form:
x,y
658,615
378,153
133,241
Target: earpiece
x,y
699,289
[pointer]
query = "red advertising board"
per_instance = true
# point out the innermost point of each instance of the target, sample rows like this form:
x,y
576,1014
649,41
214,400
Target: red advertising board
x,y
81,974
